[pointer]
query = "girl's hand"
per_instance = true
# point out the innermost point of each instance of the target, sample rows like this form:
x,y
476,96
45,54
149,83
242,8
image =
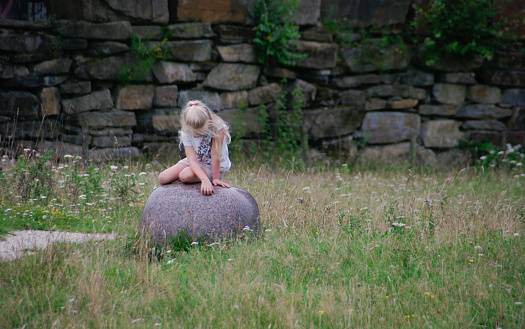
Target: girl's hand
x,y
220,183
206,187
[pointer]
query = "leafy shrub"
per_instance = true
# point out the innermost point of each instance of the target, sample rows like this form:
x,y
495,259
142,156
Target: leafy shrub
x,y
276,31
465,27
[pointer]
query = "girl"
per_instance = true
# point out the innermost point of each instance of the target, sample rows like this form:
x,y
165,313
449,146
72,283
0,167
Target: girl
x,y
205,137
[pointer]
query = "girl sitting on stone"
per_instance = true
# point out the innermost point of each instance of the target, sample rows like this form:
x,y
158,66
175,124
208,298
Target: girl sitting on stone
x,y
205,137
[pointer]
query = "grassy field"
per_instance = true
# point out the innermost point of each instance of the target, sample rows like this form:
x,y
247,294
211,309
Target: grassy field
x,y
340,247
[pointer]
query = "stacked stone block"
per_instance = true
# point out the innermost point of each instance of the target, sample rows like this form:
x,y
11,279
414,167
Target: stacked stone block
x,y
60,87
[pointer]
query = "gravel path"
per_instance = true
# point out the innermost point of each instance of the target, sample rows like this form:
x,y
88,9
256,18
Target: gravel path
x,y
16,242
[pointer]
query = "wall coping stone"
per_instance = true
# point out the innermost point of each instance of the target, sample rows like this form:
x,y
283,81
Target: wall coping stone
x,y
100,31
25,25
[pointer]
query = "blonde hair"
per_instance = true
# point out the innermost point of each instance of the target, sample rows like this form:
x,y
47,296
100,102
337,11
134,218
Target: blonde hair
x,y
197,119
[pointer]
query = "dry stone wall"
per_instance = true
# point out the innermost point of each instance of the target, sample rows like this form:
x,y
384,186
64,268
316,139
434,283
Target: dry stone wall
x,y
61,84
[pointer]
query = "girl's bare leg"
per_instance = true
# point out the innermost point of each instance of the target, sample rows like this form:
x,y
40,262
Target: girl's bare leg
x,y
172,173
188,176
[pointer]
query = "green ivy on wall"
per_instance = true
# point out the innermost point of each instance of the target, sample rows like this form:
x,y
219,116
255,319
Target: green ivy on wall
x,y
142,59
276,32
465,28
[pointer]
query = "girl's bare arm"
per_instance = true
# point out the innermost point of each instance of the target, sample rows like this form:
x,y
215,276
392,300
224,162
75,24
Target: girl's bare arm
x,y
216,159
206,186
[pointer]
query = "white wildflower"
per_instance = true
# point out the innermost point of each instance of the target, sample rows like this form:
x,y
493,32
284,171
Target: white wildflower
x,y
170,261
194,243
113,167
398,224
67,156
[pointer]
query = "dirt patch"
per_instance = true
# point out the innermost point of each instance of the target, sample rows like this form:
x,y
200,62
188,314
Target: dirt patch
x,y
17,242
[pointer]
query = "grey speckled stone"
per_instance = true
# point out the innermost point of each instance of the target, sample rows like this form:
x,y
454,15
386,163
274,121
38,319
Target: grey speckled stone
x,y
177,206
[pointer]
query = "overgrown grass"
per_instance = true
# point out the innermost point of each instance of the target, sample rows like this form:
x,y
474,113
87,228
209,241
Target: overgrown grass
x,y
341,246
43,194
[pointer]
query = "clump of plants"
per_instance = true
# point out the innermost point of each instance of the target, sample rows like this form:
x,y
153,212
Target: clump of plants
x,y
143,58
32,178
43,191
341,28
281,131
487,156
276,32
239,129
466,28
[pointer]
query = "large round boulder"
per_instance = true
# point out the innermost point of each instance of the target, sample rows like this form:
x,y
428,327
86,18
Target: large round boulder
x,y
177,208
